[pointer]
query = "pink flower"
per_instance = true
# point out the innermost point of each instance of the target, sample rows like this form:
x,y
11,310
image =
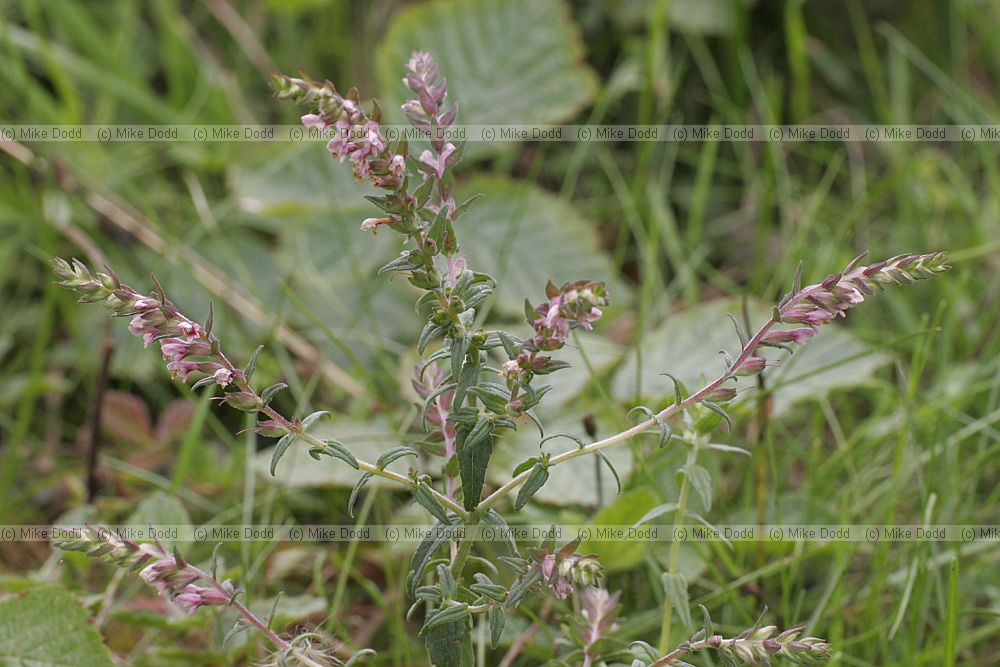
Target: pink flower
x,y
436,164
176,349
799,336
223,376
313,120
145,326
182,369
189,329
192,597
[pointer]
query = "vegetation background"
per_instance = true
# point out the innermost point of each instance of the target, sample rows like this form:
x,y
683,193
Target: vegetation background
x,y
891,417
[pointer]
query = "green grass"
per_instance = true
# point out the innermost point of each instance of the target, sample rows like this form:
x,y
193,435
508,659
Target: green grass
x,y
683,223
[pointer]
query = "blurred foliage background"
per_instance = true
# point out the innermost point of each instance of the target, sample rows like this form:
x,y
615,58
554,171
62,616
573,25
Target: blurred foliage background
x,y
889,417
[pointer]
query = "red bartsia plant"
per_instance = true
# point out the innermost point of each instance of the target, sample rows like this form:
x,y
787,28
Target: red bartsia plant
x,y
466,400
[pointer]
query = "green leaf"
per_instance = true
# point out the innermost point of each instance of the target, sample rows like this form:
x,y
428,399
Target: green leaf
x,y
474,451
676,589
360,484
618,555
494,518
279,450
655,513
252,364
542,81
450,614
423,495
707,424
313,418
573,482
160,509
526,464
435,537
47,628
447,645
611,466
536,480
271,392
687,345
701,480
524,237
394,454
360,655
497,619
337,450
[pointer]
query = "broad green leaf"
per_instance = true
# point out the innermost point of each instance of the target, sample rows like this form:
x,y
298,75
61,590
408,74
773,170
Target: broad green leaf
x,y
686,345
617,554
447,644
833,359
523,237
47,628
538,79
160,509
701,481
676,589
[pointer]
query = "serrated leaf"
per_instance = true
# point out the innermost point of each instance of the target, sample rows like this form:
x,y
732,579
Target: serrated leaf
x,y
536,480
676,589
497,619
543,81
447,645
46,627
279,450
474,451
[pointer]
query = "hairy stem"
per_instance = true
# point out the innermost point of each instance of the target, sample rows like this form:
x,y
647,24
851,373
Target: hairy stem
x,y
365,465
641,427
252,619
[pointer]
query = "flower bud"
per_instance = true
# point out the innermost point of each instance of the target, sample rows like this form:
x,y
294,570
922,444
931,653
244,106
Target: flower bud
x,y
750,366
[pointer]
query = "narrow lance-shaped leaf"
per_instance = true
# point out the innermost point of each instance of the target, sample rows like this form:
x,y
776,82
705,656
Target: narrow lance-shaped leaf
x,y
497,619
536,480
279,450
394,454
356,490
474,451
423,495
